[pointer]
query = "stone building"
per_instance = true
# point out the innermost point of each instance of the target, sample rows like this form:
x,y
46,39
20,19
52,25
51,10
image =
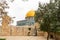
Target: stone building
x,y
29,19
26,27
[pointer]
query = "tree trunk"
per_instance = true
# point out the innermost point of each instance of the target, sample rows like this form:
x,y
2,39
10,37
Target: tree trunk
x,y
48,36
55,36
35,31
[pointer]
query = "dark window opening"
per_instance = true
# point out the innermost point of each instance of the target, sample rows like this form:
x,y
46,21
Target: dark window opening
x,y
29,28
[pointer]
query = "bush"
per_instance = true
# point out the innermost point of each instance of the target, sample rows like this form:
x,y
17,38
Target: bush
x,y
2,39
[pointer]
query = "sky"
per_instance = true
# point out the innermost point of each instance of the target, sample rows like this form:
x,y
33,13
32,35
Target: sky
x,y
19,8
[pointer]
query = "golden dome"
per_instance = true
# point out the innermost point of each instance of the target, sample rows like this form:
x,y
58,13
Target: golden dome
x,y
31,13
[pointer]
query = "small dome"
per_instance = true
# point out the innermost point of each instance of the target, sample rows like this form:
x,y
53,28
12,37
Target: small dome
x,y
31,13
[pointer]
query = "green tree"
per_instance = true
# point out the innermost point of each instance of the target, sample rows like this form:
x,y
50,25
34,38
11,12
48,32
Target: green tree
x,y
49,14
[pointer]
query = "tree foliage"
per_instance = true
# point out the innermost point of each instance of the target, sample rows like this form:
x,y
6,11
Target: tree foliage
x,y
50,15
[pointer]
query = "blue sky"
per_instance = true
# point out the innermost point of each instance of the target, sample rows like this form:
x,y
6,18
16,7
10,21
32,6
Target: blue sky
x,y
19,8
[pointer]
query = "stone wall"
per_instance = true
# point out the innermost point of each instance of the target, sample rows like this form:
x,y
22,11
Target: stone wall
x,y
20,31
16,31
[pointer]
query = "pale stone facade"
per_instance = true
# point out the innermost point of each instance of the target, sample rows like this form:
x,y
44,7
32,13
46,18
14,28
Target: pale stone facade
x,y
20,31
16,31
